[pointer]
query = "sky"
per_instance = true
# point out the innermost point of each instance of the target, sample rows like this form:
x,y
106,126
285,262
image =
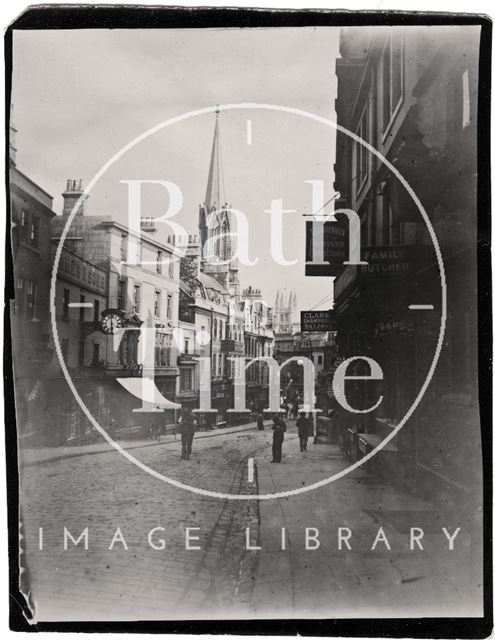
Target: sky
x,y
79,96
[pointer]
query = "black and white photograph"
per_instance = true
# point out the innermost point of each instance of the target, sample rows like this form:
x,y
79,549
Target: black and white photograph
x,y
243,305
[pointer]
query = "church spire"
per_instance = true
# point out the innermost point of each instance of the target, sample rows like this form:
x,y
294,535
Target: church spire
x,y
215,196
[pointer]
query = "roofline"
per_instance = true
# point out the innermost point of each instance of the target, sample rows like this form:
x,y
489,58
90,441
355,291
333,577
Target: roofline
x,y
144,235
32,182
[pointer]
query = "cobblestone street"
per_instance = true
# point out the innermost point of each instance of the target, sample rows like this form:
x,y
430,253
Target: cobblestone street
x,y
103,491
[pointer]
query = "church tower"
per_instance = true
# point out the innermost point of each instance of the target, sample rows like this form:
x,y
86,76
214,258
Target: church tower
x,y
217,245
285,312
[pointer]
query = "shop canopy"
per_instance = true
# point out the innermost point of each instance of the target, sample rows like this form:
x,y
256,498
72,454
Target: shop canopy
x,y
145,389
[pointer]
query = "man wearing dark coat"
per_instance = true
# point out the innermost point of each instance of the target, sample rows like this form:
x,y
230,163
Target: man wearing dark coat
x,y
303,431
187,428
259,421
279,429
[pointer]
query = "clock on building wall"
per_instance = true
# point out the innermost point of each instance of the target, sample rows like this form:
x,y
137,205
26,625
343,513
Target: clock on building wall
x,y
111,321
389,301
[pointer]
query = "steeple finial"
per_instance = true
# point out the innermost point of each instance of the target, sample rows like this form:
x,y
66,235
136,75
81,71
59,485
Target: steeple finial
x,y
215,192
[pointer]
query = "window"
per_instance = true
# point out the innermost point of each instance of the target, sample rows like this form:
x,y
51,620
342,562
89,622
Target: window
x,y
171,268
123,248
96,307
362,155
31,298
20,296
23,218
65,307
136,299
65,350
80,357
96,353
159,258
466,101
186,379
392,78
169,307
163,348
121,287
186,345
34,233
386,219
157,304
320,359
81,309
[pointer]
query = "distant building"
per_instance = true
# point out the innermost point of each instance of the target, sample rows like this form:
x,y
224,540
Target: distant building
x,y
284,312
217,321
143,287
31,212
258,342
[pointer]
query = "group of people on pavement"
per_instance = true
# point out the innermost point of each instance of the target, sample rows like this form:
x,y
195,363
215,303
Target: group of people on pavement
x,y
188,424
305,430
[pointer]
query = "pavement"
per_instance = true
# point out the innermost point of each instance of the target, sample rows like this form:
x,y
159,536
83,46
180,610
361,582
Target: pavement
x,y
38,455
357,582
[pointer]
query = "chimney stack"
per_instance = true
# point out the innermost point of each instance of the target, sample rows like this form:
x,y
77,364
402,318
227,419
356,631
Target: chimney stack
x,y
71,195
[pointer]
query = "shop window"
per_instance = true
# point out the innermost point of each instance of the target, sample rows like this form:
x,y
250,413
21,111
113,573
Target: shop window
x,y
96,307
65,305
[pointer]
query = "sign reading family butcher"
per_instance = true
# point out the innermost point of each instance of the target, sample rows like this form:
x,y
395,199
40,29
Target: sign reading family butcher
x,y
318,321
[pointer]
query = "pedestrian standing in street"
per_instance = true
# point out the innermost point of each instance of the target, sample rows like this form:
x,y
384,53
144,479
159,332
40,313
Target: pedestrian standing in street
x,y
310,428
286,408
261,426
302,431
295,409
279,430
187,428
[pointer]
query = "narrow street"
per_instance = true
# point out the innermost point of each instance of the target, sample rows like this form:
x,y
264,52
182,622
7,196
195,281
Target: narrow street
x,y
103,491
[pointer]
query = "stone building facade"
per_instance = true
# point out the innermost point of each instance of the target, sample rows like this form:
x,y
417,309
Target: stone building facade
x,y
412,94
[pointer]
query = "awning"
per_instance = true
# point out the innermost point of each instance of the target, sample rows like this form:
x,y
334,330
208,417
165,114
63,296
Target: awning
x,y
146,390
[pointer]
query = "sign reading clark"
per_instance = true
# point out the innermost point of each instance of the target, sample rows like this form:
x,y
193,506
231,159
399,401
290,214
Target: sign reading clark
x,y
318,321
